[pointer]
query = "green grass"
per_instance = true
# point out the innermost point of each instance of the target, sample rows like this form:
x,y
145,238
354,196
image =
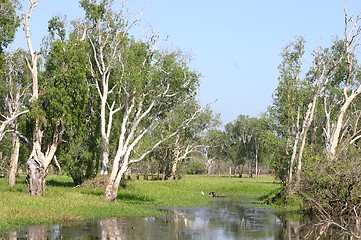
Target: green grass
x,y
63,203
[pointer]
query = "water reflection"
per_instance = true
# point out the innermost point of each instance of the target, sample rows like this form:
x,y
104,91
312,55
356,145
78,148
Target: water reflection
x,y
221,220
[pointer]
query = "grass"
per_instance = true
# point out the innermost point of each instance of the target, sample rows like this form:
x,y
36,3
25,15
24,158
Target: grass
x,y
64,203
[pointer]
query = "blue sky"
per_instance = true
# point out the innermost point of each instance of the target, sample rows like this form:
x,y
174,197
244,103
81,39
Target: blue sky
x,y
235,44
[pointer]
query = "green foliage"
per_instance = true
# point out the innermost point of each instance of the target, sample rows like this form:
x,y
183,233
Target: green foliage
x,y
5,152
247,141
333,185
14,86
65,97
189,139
9,21
65,90
216,141
195,167
93,10
292,93
57,27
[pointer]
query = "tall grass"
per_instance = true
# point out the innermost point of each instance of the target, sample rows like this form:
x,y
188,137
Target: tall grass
x,y
62,202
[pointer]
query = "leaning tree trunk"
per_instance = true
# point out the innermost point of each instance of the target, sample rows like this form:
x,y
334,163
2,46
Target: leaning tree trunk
x,y
118,170
14,160
111,190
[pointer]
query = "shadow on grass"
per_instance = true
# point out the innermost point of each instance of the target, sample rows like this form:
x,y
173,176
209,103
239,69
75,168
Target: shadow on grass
x,y
56,183
134,198
128,197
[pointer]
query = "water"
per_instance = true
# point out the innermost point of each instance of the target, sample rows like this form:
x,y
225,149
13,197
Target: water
x,y
221,220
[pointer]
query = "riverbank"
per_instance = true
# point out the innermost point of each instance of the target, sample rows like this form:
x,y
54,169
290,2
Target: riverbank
x,y
64,203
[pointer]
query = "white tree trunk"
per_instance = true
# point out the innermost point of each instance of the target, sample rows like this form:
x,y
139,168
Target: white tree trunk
x,y
174,168
351,36
14,160
335,136
295,148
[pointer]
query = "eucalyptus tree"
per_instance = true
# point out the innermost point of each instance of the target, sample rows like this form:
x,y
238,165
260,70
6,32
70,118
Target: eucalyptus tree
x,y
331,182
155,84
15,99
107,33
345,124
241,136
137,85
246,142
65,97
57,100
13,84
326,104
9,21
260,130
186,142
334,70
217,151
236,148
289,100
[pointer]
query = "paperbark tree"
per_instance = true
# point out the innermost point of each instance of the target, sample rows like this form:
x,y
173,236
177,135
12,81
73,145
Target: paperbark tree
x,y
216,142
245,137
187,142
16,98
331,183
351,86
107,33
152,85
289,99
47,130
238,144
66,96
136,84
9,21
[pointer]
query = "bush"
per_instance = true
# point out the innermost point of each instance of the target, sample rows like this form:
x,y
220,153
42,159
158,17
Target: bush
x,y
331,186
195,167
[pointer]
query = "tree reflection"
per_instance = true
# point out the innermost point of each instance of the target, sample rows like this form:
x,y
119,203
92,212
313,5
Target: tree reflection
x,y
220,220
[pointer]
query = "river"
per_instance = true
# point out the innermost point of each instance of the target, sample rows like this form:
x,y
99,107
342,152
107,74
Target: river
x,y
221,220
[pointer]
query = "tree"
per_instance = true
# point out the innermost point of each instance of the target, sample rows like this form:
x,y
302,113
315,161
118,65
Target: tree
x,y
150,92
17,79
216,142
61,101
137,86
9,21
186,142
65,97
246,142
107,33
351,86
237,145
289,99
328,151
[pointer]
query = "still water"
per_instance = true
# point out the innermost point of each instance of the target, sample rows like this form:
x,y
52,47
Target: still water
x,y
221,220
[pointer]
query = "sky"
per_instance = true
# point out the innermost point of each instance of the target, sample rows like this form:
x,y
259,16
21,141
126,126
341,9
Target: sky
x,y
235,44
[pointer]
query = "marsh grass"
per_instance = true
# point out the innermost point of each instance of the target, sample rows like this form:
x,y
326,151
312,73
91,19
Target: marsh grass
x,y
64,203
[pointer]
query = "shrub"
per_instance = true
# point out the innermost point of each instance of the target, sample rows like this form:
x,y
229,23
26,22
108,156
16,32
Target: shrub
x,y
195,167
331,185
